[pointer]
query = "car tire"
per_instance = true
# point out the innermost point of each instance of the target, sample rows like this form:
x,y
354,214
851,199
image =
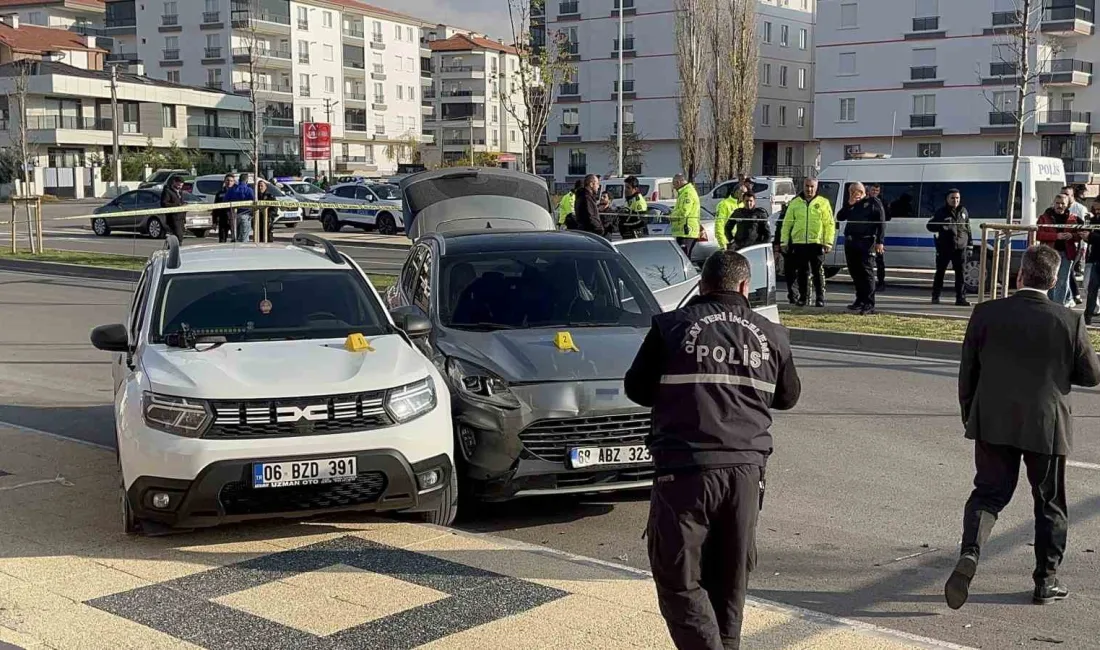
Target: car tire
x,y
447,511
330,222
387,225
100,227
199,233
155,229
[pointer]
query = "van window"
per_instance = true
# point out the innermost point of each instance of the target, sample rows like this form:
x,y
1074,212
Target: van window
x,y
830,190
761,188
983,200
614,190
665,192
899,199
723,190
784,188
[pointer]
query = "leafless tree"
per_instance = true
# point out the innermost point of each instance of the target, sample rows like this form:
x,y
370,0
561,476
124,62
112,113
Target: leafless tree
x,y
744,65
18,116
719,85
635,147
406,149
690,62
543,66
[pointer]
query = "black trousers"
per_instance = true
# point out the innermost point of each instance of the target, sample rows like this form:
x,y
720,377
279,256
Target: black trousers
x,y
997,470
957,260
809,260
860,256
880,262
225,230
176,222
687,243
702,546
790,275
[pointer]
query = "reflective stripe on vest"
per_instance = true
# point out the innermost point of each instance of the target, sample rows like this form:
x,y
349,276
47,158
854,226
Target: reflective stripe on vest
x,y
731,380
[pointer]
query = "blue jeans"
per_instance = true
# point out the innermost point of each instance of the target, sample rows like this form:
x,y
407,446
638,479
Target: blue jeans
x,y
1061,289
1092,285
244,227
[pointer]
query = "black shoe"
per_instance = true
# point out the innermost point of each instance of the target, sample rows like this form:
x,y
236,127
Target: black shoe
x,y
800,303
820,302
855,306
935,300
1048,593
957,589
881,286
962,302
1088,320
867,310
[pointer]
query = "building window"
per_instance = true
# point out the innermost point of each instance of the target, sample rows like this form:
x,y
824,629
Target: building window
x,y
848,109
303,18
173,76
801,117
784,35
376,32
330,53
400,93
782,76
570,121
766,74
802,78
924,64
767,32
803,37
928,150
788,156
397,33
578,162
924,104
846,64
307,114
169,113
1004,148
848,15
214,78
171,48
782,116
512,136
765,115
326,19
330,84
1004,101
410,65
36,18
409,34
496,114
411,94
379,94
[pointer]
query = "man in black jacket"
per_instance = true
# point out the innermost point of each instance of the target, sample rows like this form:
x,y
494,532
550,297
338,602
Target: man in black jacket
x,y
587,206
748,225
172,197
951,224
712,371
1092,264
874,190
1021,356
863,237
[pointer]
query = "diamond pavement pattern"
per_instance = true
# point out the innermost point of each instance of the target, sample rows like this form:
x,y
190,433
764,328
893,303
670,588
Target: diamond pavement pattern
x,y
250,605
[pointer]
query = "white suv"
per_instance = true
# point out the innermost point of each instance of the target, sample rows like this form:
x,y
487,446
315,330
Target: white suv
x,y
269,381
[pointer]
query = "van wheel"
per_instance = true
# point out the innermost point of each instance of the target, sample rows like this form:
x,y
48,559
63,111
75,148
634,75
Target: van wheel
x,y
386,224
447,511
330,222
972,272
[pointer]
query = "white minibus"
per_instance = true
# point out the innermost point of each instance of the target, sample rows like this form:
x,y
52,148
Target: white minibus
x,y
914,188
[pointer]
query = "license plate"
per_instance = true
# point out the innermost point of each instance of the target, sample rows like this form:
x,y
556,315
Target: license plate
x,y
594,456
303,472
200,221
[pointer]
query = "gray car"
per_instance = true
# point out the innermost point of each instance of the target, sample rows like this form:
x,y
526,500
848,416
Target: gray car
x,y
154,225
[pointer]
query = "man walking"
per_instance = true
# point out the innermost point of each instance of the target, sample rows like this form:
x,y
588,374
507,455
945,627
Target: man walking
x,y
874,190
684,219
712,372
1020,357
172,197
1063,240
951,225
863,235
809,232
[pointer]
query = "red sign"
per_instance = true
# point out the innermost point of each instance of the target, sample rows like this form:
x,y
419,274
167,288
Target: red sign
x,y
316,141
507,157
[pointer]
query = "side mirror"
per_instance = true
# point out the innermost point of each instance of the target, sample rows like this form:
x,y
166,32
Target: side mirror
x,y
412,322
111,338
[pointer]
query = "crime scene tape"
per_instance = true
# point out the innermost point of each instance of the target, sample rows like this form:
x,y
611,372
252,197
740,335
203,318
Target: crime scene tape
x,y
210,207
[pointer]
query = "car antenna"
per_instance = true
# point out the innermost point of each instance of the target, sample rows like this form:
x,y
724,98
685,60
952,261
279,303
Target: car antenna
x,y
172,245
308,240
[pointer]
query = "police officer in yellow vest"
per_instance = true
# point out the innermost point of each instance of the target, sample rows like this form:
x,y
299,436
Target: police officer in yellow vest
x,y
809,232
726,207
684,220
565,208
632,224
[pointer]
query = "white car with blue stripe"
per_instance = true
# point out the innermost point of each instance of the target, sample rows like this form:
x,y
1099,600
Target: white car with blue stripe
x,y
374,206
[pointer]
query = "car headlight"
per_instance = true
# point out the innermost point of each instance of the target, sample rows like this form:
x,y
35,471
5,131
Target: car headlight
x,y
176,415
411,400
480,384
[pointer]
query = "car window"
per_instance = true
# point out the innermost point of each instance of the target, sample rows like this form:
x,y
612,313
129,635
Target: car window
x,y
761,289
760,188
148,198
524,289
127,199
347,192
665,191
614,190
723,190
137,307
363,194
658,261
422,295
409,272
269,305
386,191
208,187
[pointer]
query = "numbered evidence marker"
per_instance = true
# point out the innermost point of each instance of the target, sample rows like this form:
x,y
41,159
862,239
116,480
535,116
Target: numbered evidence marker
x,y
564,342
357,343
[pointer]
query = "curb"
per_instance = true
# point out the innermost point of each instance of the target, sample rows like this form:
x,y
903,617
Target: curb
x,y
69,270
879,343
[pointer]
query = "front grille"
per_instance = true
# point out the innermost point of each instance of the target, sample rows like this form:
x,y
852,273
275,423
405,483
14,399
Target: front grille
x,y
240,498
300,416
549,439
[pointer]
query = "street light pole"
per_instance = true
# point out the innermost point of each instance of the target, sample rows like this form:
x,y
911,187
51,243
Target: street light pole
x,y
117,162
329,105
619,121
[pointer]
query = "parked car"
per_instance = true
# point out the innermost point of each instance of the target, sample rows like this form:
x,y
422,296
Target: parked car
x,y
773,193
321,403
658,225
207,187
154,225
307,192
157,180
366,208
653,188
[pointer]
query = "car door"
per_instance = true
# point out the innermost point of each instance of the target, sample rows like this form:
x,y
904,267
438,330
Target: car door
x,y
762,285
364,196
345,197
667,272
146,200
120,369
401,292
125,203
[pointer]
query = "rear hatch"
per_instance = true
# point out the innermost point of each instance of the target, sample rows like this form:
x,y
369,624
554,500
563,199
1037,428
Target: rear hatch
x,y
475,198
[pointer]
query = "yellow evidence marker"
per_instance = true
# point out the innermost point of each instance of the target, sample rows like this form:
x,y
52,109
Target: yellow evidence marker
x,y
564,342
357,343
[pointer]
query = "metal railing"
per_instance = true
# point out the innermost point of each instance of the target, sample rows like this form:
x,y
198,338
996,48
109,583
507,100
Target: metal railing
x,y
628,86
1077,12
1062,66
1006,18
357,96
355,126
1064,117
569,8
212,53
120,23
569,89
1002,118
362,160
211,131
215,84
170,20
52,122
171,55
1002,69
303,57
303,24
456,93
926,24
456,142
356,65
922,72
303,91
354,32
262,86
570,129
461,68
922,121
122,56
278,122
209,17
628,44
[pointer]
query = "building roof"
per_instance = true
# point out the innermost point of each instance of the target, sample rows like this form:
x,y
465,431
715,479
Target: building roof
x,y
11,69
91,4
372,9
32,39
464,43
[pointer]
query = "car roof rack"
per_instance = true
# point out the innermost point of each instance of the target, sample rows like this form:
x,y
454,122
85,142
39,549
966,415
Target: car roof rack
x,y
172,245
307,240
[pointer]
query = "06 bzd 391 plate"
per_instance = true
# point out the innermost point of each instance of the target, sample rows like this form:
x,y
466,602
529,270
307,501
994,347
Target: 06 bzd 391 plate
x,y
580,457
303,472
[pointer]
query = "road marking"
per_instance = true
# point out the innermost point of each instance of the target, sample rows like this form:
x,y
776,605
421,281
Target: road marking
x,y
1082,465
55,436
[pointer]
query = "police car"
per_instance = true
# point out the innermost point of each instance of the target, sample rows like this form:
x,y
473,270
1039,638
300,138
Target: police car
x,y
261,380
368,206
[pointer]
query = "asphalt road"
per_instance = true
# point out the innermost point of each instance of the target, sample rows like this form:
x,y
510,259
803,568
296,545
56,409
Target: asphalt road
x,y
865,489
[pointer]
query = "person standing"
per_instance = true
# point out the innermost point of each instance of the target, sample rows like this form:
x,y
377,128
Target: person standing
x,y
1062,240
809,232
863,236
1077,209
587,208
242,216
712,372
722,213
222,216
789,268
1020,357
684,220
874,190
748,226
565,207
951,225
633,225
266,216
1092,264
172,197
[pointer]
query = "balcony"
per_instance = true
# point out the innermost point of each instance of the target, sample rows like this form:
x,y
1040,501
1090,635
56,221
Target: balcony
x,y
1067,72
379,104
54,122
1002,69
215,84
376,42
628,47
354,31
264,56
378,72
170,20
453,94
427,138
1002,118
278,123
355,65
922,72
355,95
1006,19
569,91
1064,122
212,53
628,89
922,121
569,10
263,22
244,88
171,55
120,25
344,161
462,142
211,131
1081,171
211,17
1070,20
926,24
123,57
463,71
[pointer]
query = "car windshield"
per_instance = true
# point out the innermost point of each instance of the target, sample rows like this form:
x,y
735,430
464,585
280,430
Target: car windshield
x,y
487,291
305,188
387,192
268,305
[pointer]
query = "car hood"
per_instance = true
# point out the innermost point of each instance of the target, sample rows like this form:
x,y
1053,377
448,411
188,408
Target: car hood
x,y
529,356
274,369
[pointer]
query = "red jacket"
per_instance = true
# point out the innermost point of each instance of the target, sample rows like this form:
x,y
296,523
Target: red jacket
x,y
1049,236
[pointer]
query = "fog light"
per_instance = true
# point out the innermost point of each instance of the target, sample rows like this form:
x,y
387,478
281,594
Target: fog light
x,y
161,500
429,479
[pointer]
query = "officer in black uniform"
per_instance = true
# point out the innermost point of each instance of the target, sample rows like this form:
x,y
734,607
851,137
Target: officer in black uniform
x,y
712,371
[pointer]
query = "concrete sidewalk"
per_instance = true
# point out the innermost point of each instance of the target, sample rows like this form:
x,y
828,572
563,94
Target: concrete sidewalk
x,y
70,580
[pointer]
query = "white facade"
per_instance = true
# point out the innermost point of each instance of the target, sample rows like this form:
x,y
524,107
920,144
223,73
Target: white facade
x,y
935,78
582,126
64,14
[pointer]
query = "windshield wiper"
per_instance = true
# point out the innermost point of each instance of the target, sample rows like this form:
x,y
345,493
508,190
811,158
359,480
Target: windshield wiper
x,y
185,338
486,326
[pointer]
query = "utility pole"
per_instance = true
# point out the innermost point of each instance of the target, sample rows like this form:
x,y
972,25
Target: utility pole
x,y
471,140
329,105
117,162
622,44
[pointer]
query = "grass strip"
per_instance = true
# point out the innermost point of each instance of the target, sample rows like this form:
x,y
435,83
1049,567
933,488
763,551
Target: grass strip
x,y
80,258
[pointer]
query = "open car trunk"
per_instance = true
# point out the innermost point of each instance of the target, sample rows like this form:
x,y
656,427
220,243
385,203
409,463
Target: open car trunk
x,y
475,198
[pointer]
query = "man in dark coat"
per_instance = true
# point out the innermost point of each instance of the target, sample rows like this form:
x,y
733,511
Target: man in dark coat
x,y
951,224
172,197
863,237
1021,356
748,225
587,206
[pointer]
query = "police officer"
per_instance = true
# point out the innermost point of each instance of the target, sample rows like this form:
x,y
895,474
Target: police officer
x,y
632,225
863,237
722,213
684,220
808,234
565,208
712,371
951,225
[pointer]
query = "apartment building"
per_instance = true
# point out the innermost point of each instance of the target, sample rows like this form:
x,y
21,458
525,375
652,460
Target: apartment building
x,y
81,16
20,41
583,126
311,61
938,78
476,85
